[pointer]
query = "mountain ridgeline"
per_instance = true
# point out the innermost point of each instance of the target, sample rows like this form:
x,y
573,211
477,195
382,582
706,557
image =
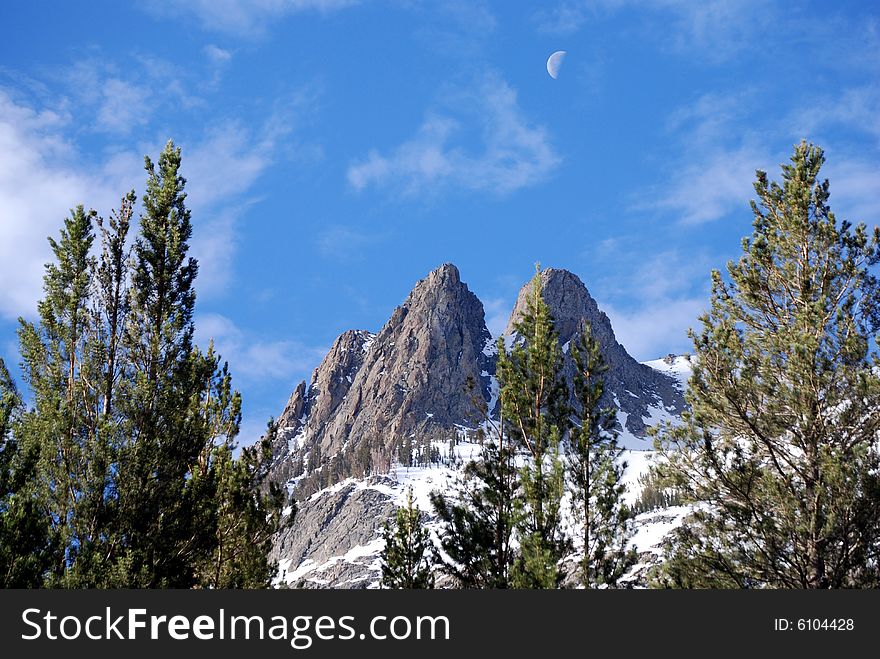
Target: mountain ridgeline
x,y
429,375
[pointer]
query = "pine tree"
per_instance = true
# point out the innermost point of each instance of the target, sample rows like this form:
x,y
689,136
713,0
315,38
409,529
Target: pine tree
x,y
111,295
24,541
249,512
177,498
406,557
595,474
477,517
477,520
779,450
123,472
534,402
59,365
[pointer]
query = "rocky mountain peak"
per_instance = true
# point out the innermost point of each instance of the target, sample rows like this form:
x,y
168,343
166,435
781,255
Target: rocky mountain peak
x,y
641,394
570,303
407,383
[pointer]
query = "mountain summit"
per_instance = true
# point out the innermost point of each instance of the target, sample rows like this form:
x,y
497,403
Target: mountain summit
x,y
401,406
382,398
642,395
406,385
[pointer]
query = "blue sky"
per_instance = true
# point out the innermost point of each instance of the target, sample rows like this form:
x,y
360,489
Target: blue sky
x,y
337,151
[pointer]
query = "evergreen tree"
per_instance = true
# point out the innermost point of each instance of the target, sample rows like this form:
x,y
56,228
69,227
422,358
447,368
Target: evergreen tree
x,y
595,474
123,472
478,517
406,557
176,406
478,520
59,365
249,512
534,398
779,449
24,542
111,282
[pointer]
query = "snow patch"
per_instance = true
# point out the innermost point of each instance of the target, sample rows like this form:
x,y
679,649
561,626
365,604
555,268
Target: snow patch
x,y
678,367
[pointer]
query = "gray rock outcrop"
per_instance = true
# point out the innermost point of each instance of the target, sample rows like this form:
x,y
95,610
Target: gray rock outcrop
x,y
636,390
408,381
327,527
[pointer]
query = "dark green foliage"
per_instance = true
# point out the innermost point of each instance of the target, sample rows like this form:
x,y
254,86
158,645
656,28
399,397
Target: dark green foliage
x,y
250,511
61,365
478,516
533,398
122,474
595,474
478,520
655,494
406,557
24,541
780,446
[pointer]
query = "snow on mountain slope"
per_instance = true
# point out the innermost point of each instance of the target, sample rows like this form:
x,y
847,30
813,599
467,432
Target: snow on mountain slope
x,y
347,555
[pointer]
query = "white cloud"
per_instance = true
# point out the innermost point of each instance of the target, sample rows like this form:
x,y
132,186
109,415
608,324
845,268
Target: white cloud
x,y
345,243
513,153
657,329
252,359
456,28
855,189
43,174
719,28
117,99
857,109
718,155
123,106
714,184
248,18
41,178
221,171
653,306
218,56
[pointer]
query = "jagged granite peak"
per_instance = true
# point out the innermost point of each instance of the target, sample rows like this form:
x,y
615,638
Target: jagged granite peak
x,y
641,394
408,380
310,409
414,376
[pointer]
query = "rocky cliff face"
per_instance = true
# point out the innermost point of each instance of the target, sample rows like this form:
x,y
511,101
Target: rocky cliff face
x,y
409,381
641,394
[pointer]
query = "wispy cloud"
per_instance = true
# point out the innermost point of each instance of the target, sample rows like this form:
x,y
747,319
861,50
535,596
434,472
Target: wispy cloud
x,y
222,170
512,153
456,28
123,106
657,301
41,178
855,189
713,184
345,243
120,98
43,172
719,28
718,152
856,109
218,56
247,18
250,357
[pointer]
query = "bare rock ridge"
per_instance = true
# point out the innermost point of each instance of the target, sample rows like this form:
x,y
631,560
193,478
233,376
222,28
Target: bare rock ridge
x,y
308,411
408,381
641,394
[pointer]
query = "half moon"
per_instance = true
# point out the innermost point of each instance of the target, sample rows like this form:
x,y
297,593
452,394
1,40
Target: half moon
x,y
554,62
